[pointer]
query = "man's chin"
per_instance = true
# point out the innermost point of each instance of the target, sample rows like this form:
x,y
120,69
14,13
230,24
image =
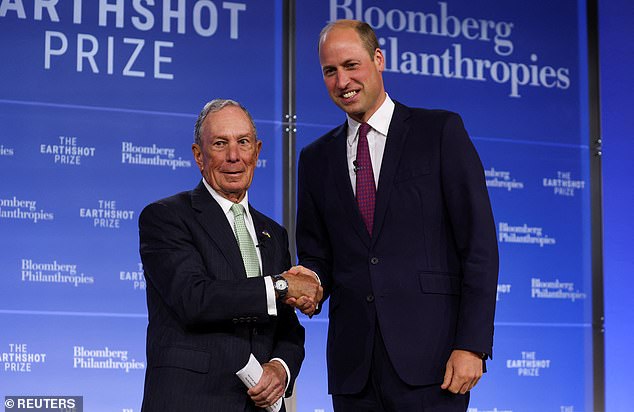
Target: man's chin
x,y
354,114
233,194
350,107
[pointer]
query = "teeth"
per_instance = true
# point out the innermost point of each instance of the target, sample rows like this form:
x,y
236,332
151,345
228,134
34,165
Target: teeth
x,y
349,94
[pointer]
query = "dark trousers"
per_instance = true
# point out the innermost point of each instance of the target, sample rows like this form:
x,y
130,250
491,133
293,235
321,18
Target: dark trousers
x,y
386,392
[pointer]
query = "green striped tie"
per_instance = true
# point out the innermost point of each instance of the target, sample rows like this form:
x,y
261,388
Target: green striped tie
x,y
247,248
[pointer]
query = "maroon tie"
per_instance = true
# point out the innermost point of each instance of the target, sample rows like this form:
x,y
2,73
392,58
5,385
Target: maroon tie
x,y
366,190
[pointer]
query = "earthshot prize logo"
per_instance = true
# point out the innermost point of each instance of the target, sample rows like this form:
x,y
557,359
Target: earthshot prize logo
x,y
136,57
133,278
563,184
18,359
67,151
503,289
106,215
528,365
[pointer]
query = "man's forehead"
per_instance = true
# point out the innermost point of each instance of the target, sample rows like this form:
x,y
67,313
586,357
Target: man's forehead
x,y
228,123
227,112
340,49
338,33
231,132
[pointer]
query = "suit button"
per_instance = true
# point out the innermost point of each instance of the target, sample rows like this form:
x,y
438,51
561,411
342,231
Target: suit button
x,y
370,298
241,320
234,320
374,260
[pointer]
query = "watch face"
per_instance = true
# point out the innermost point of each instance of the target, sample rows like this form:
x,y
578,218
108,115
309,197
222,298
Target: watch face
x,y
280,284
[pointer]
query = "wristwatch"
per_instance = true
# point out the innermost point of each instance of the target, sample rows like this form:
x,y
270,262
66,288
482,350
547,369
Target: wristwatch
x,y
280,285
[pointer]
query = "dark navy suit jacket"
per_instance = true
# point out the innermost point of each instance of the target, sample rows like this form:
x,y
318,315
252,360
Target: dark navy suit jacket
x,y
427,276
205,315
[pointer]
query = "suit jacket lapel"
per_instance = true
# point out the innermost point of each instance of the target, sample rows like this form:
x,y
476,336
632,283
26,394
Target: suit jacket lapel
x,y
213,220
396,137
266,245
343,184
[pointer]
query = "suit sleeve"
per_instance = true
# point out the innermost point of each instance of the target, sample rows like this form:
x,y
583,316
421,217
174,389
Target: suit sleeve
x,y
473,227
313,246
174,268
290,334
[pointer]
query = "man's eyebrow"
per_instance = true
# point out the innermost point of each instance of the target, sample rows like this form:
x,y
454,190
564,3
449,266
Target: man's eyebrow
x,y
227,137
345,62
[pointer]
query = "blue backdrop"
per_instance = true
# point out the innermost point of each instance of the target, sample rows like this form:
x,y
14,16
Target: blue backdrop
x,y
617,56
98,106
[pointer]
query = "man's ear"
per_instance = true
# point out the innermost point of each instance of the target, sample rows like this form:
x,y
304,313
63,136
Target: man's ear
x,y
258,146
198,155
379,60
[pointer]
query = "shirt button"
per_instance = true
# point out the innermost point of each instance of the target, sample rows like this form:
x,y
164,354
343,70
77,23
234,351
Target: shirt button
x,y
370,298
374,260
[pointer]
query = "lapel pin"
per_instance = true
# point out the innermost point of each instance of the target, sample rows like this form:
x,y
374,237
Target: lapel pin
x,y
265,233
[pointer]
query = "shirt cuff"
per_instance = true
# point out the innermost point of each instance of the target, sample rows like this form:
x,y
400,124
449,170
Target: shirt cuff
x,y
318,280
271,306
316,275
288,372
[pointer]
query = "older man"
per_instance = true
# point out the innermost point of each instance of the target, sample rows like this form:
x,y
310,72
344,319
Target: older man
x,y
214,294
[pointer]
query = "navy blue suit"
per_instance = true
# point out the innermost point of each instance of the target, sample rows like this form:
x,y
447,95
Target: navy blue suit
x,y
205,315
427,276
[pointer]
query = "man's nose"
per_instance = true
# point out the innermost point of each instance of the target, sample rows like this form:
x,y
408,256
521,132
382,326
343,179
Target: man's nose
x,y
342,79
233,152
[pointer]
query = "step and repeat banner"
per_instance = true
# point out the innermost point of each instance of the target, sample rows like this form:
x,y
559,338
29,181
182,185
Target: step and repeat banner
x,y
97,107
516,73
98,101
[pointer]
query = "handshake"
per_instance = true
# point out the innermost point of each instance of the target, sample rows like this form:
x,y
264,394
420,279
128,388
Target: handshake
x,y
304,289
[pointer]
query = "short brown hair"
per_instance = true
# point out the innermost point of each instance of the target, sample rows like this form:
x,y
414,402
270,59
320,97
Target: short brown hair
x,y
363,29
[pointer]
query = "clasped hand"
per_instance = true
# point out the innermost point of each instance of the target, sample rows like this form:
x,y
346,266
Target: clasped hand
x,y
304,290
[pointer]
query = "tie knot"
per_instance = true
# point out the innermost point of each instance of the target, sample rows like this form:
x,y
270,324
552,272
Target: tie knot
x,y
237,209
364,129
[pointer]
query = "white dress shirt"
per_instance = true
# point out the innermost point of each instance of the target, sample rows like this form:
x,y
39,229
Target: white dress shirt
x,y
225,205
377,137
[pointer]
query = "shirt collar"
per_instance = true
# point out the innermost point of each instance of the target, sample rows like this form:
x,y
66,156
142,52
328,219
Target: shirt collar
x,y
379,121
225,204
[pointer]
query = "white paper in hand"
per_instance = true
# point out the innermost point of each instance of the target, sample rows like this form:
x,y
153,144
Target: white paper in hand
x,y
250,375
